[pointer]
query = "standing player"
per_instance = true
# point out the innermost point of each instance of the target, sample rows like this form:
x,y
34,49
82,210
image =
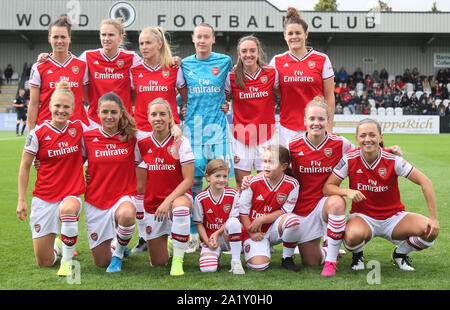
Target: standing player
x,y
109,200
50,70
155,78
170,175
56,202
204,77
216,213
109,68
265,211
20,104
251,86
376,207
304,74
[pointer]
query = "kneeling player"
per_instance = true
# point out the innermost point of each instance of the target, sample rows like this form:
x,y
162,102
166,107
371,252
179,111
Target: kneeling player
x,y
376,206
265,211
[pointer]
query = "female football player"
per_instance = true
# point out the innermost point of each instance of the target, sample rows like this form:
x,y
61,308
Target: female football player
x,y
376,207
109,200
56,202
304,74
170,175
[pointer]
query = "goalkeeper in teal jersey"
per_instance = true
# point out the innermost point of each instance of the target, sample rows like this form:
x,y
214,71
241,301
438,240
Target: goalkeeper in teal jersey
x,y
205,123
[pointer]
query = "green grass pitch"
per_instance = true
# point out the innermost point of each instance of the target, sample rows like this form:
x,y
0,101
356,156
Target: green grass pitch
x,y
429,153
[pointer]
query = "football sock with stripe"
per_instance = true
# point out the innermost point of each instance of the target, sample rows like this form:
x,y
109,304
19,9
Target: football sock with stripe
x,y
290,235
181,222
234,229
335,235
413,243
123,236
69,235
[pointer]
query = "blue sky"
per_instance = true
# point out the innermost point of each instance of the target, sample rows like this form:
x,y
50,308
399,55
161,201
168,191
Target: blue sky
x,y
365,5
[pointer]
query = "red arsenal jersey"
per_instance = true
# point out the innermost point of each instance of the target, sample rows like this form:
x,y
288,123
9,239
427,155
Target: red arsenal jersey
x,y
109,75
164,162
48,74
261,198
313,164
111,168
254,106
214,214
151,83
59,153
301,79
378,182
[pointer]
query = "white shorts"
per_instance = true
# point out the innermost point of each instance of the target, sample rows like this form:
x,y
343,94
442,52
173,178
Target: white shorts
x,y
245,157
262,248
44,216
284,134
313,226
223,246
382,228
101,224
155,229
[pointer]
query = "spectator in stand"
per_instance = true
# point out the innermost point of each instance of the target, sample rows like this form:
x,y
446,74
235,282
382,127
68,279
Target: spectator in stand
x,y
447,76
426,85
399,84
407,76
404,101
352,102
423,107
351,84
368,82
434,85
441,77
415,74
345,97
415,107
447,110
8,73
444,92
379,99
388,98
342,76
424,96
418,83
441,109
432,108
358,76
376,77
384,74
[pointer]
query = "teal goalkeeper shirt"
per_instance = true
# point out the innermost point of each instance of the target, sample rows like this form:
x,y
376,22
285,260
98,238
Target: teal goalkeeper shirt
x,y
205,122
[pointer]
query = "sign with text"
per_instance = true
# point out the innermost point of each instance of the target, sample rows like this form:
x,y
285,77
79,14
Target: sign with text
x,y
414,124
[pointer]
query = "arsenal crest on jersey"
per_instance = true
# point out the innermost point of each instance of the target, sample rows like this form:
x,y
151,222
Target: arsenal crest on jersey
x,y
37,228
227,208
72,132
382,172
165,73
75,69
120,63
215,70
281,198
328,152
264,79
311,64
